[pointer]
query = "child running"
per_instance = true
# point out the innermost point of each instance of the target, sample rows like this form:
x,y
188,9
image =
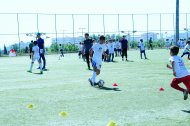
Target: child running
x,y
186,50
97,50
179,71
35,56
142,49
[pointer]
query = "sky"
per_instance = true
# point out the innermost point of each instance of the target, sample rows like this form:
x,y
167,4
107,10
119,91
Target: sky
x,y
92,6
79,7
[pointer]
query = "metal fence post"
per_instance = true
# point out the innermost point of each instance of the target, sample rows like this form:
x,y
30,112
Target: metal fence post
x,y
133,27
177,21
18,33
37,24
73,28
187,26
147,28
118,25
56,27
160,26
88,23
103,24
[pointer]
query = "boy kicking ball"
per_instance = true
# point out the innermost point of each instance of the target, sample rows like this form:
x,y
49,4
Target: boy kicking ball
x,y
97,50
35,56
179,71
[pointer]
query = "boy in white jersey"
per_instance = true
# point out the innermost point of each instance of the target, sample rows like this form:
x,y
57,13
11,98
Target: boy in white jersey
x,y
97,50
186,49
179,71
35,56
142,48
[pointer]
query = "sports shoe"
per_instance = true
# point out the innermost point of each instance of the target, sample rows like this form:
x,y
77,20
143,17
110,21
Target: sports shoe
x,y
41,72
29,71
91,83
185,94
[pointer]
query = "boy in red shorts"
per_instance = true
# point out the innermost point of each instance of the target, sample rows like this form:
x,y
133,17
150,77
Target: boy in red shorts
x,y
179,71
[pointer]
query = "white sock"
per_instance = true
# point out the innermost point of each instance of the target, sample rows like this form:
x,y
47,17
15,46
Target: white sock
x,y
93,77
31,67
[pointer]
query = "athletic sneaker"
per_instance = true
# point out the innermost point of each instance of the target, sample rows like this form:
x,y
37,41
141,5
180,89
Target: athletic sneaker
x,y
29,71
41,72
185,94
91,83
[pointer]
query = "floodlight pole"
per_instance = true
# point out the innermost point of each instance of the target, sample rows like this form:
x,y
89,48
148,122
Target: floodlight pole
x,y
177,21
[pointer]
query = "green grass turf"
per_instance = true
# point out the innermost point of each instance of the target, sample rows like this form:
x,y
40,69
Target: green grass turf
x,y
64,87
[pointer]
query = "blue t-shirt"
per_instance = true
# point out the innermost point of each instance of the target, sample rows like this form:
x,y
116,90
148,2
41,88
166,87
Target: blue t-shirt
x,y
87,45
40,43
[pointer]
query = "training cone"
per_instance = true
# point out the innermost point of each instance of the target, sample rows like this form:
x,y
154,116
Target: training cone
x,y
63,114
161,89
29,106
115,84
112,123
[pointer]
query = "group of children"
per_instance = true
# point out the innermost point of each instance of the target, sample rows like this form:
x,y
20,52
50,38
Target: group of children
x,y
180,43
99,49
112,49
180,72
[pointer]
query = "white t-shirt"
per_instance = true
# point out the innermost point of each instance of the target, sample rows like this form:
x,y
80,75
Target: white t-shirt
x,y
98,51
186,47
179,66
118,45
111,48
80,47
36,49
141,45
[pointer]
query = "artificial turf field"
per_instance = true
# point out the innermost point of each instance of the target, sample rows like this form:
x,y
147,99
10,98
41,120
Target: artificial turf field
x,y
64,87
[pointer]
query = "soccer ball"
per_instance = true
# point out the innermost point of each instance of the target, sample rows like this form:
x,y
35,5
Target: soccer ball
x,y
101,83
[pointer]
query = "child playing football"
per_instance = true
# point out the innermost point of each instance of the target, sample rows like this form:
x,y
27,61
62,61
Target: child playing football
x,y
179,71
97,50
35,56
186,50
61,51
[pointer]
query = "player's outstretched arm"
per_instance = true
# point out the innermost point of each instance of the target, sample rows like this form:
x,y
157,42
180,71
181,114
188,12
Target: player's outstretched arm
x,y
168,66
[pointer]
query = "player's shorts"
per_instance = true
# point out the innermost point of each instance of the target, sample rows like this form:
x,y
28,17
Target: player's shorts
x,y
36,58
96,64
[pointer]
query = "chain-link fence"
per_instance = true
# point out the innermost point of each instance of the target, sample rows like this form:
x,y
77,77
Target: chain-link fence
x,y
18,27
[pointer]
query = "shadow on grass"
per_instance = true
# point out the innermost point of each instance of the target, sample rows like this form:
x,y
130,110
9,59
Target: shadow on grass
x,y
186,111
109,89
38,73
130,61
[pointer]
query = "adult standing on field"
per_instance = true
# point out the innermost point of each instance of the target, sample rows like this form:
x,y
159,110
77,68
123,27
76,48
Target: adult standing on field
x,y
30,48
86,47
41,46
151,43
124,47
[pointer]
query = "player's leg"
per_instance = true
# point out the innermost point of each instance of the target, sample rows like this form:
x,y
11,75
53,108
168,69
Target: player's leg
x,y
186,81
144,54
141,54
122,54
40,64
87,60
31,65
126,54
112,57
44,61
175,84
184,54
